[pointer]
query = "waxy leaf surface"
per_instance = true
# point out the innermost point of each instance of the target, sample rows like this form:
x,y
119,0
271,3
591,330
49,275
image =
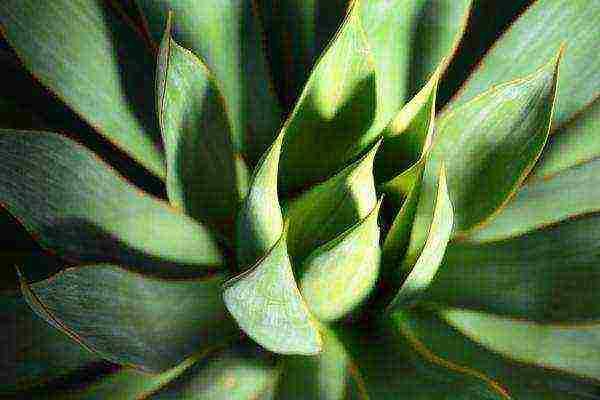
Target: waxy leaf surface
x,y
267,305
134,320
96,63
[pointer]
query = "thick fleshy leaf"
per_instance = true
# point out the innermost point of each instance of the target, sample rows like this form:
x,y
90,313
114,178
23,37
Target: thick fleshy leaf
x,y
537,35
442,349
149,323
296,33
573,144
239,373
573,349
420,276
201,163
331,207
260,221
548,275
33,351
268,306
74,203
487,146
227,37
334,120
95,63
344,269
570,193
329,376
407,140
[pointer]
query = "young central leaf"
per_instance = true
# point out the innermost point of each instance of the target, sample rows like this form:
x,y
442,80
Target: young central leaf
x,y
267,305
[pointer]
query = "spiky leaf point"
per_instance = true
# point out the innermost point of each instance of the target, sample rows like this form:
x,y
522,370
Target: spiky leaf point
x,y
328,209
536,35
201,162
344,269
70,46
550,275
260,221
268,306
77,205
423,272
119,314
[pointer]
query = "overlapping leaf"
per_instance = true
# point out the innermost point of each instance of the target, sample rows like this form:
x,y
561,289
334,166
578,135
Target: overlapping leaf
x,y
149,323
227,37
537,34
328,209
201,162
344,269
95,63
267,305
550,275
77,205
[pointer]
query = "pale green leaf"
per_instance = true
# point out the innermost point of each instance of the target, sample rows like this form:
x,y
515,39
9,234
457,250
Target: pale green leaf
x,y
149,323
536,35
201,163
260,221
328,209
420,276
550,275
227,37
268,306
95,63
344,269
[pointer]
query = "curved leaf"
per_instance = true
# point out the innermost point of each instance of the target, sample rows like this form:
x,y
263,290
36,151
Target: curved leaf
x,y
573,349
336,111
344,269
548,275
201,165
148,323
95,63
420,276
227,37
331,207
34,352
267,305
570,193
260,221
77,205
537,34
444,350
487,146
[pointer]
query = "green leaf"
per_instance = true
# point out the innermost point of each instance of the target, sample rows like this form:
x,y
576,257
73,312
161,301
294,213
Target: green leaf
x,y
260,222
227,37
201,162
267,305
441,350
36,352
331,207
331,375
333,121
549,275
573,144
121,315
570,193
239,373
420,276
95,63
407,140
536,35
75,204
573,349
344,269
487,146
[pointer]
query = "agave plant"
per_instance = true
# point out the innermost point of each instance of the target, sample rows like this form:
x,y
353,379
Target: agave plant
x,y
364,243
